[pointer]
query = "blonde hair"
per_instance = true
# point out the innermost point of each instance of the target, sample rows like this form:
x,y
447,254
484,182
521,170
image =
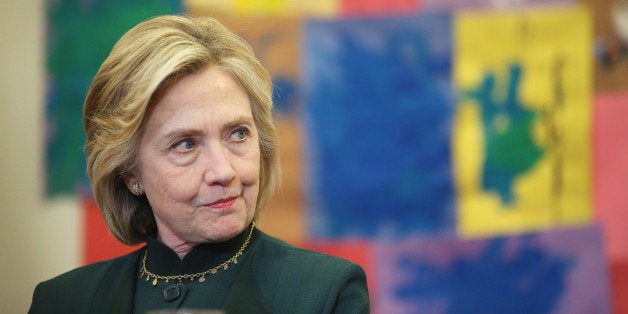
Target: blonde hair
x,y
144,62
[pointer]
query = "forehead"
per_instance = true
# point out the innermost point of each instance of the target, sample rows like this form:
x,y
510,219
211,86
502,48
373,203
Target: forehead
x,y
209,94
211,82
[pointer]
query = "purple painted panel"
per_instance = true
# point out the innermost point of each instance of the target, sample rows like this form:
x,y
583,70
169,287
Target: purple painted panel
x,y
561,271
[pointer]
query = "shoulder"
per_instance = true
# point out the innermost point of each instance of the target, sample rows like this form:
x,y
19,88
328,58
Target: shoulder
x,y
76,287
298,262
292,275
87,275
279,249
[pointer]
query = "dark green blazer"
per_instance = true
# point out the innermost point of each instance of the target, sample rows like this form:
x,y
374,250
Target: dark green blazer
x,y
275,278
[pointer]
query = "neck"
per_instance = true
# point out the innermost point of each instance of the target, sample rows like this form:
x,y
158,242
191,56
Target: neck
x,y
182,248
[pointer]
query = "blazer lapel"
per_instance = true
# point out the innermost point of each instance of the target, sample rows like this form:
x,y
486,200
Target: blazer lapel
x,y
116,290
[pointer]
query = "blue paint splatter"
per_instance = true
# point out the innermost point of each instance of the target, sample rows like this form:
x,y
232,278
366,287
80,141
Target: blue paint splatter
x,y
378,117
532,281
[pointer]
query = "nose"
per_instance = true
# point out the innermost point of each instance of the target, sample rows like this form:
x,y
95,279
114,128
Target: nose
x,y
219,168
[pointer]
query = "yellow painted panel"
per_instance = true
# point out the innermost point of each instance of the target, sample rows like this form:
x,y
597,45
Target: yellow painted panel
x,y
522,142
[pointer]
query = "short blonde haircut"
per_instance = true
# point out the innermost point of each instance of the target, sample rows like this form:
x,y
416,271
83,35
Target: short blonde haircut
x,y
144,62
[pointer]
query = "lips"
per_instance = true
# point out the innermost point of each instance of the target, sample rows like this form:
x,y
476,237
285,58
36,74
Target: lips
x,y
223,203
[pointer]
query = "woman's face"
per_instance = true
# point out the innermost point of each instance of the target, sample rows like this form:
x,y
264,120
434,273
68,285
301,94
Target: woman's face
x,y
199,159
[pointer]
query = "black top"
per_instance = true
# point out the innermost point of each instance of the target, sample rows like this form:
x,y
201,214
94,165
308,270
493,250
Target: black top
x,y
271,277
162,260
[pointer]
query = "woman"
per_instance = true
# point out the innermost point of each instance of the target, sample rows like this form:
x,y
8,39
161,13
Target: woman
x,y
182,154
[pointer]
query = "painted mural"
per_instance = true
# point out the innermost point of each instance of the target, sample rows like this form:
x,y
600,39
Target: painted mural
x,y
445,146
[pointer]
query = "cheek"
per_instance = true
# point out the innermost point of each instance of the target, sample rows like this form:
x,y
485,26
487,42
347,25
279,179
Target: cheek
x,y
250,176
172,191
166,190
249,171
164,200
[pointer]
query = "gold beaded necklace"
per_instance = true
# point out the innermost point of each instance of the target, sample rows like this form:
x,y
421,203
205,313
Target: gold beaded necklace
x,y
201,276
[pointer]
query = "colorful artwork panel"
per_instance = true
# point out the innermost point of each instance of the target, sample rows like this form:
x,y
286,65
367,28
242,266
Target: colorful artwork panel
x,y
523,122
80,36
275,42
378,120
561,271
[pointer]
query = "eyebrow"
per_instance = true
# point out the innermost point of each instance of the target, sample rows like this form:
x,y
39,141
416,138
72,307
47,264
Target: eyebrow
x,y
184,131
239,121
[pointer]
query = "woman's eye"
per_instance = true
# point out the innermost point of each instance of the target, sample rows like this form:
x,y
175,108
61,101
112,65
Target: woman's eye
x,y
184,145
239,135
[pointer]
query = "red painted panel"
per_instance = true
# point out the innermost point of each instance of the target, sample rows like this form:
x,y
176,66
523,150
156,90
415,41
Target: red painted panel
x,y
98,243
619,280
610,170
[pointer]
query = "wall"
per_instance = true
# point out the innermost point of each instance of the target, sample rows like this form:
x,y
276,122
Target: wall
x,y
38,238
